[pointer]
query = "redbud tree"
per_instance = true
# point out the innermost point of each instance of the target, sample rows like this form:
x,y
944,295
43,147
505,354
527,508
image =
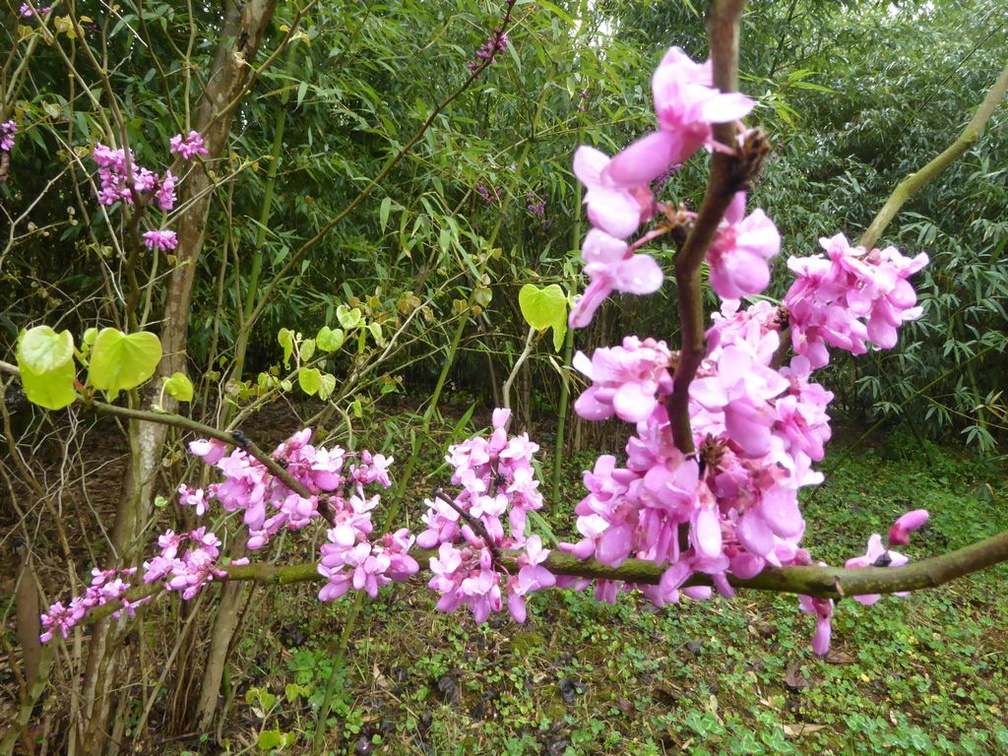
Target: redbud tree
x,y
723,428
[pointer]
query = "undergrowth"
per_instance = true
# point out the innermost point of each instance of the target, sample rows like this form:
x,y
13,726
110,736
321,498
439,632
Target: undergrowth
x,y
924,674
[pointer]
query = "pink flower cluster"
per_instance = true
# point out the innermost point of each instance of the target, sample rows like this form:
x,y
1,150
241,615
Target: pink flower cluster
x,y
497,42
162,239
146,185
7,131
26,10
497,481
618,198
187,561
114,170
268,505
188,146
876,556
731,508
757,430
107,586
851,297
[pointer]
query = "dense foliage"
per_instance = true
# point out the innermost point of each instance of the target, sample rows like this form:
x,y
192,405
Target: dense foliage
x,y
378,182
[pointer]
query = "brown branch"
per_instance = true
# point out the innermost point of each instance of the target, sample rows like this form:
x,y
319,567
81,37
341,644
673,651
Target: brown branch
x,y
723,183
913,183
820,582
476,524
236,438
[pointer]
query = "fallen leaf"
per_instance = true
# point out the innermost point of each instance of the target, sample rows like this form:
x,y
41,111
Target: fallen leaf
x,y
794,680
839,657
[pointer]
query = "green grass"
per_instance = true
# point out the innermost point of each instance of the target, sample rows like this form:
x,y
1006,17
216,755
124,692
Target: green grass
x,y
925,674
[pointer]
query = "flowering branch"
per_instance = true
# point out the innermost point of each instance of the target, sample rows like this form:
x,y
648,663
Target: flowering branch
x,y
184,423
819,582
474,522
724,182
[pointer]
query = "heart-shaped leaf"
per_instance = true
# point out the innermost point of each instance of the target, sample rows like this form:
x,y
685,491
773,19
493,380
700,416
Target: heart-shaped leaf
x,y
327,386
42,349
348,318
179,386
310,380
545,308
286,339
306,350
329,339
53,390
120,362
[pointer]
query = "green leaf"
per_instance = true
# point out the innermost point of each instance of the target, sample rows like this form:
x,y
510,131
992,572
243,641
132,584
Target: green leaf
x,y
383,212
269,739
53,390
376,334
42,349
120,362
179,386
286,339
310,380
545,308
348,318
306,350
330,340
327,386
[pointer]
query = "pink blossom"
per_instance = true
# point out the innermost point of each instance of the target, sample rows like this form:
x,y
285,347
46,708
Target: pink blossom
x,y
740,251
211,450
163,239
823,611
853,297
626,380
742,388
876,556
165,193
614,210
497,42
686,104
188,146
7,131
612,266
899,534
193,497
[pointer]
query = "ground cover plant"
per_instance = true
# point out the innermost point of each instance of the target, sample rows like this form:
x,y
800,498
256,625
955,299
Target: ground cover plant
x,y
583,677
726,419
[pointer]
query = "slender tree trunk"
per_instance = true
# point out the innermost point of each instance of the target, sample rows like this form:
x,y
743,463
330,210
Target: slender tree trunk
x,y
241,34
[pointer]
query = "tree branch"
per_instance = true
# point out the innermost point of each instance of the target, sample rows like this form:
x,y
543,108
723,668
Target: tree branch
x,y
819,582
913,183
236,437
723,183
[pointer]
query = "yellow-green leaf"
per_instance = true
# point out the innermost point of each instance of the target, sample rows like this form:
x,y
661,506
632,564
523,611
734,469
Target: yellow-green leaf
x,y
545,308
42,349
120,362
179,386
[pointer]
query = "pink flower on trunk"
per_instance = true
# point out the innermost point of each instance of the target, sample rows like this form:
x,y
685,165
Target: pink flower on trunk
x,y
686,104
615,210
188,146
612,266
162,239
740,251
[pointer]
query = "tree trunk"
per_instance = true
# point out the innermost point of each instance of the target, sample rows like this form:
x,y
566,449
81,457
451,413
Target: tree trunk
x,y
241,34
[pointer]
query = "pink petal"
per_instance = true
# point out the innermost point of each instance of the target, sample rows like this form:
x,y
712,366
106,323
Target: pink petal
x,y
644,160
